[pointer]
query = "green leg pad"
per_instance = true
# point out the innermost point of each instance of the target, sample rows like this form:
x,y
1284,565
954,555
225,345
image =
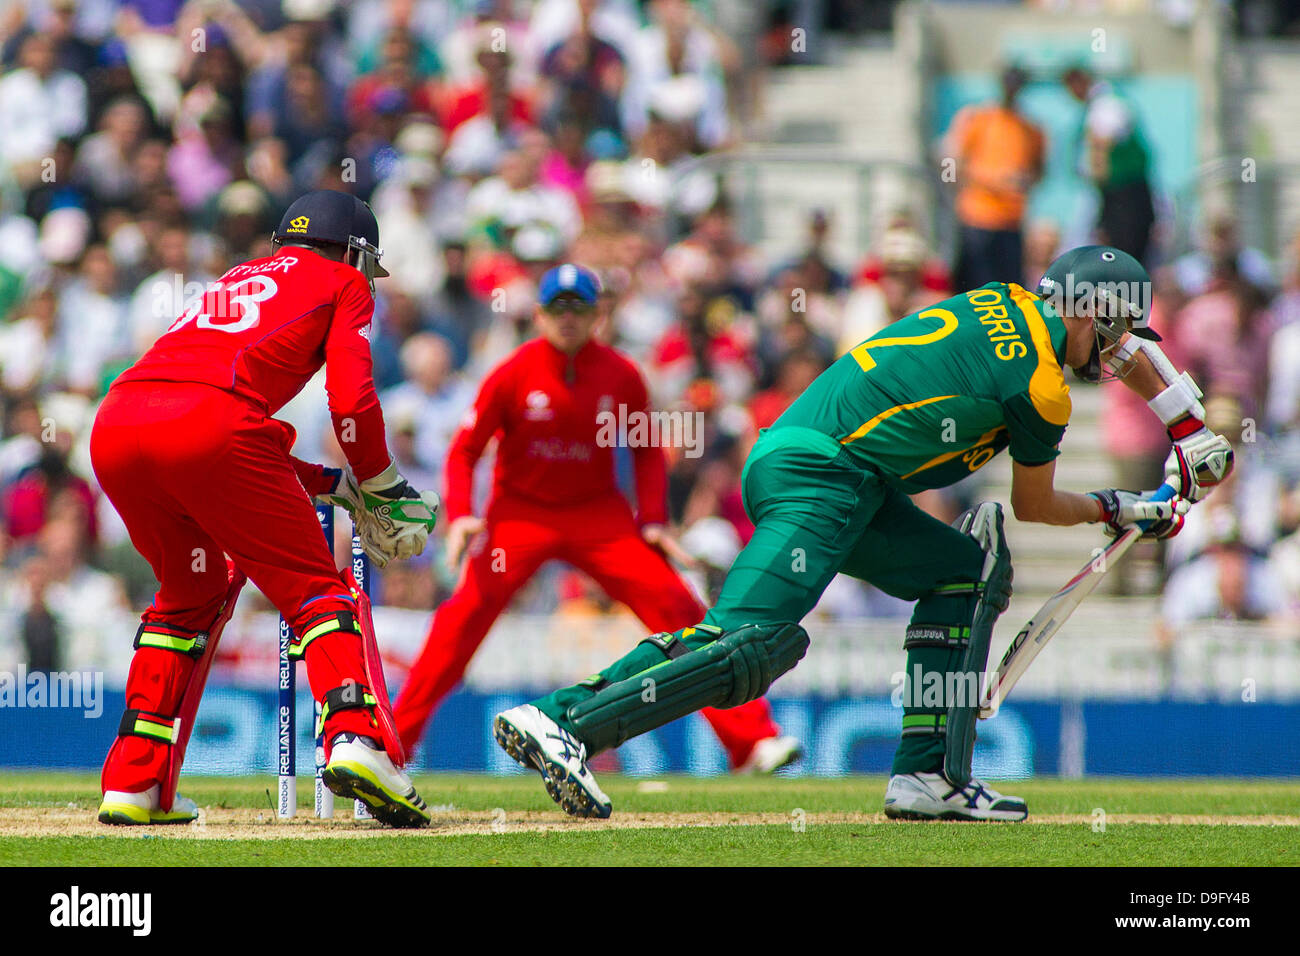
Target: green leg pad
x,y
738,667
959,742
985,525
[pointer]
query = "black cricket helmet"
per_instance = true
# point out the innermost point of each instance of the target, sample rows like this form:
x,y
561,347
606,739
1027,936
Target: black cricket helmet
x,y
329,217
1107,286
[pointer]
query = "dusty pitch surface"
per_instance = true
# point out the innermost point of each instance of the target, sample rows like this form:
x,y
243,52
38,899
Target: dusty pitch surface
x,y
226,823
478,820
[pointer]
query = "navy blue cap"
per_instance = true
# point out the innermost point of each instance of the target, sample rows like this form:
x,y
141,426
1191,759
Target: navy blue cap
x,y
568,279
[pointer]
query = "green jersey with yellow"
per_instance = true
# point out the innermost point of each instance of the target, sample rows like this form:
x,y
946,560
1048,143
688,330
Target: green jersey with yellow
x,y
931,398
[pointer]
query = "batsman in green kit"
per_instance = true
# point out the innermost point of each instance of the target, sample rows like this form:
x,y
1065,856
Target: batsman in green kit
x,y
922,404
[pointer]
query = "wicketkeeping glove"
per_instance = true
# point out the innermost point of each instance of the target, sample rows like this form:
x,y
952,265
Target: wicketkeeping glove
x,y
397,519
1119,509
345,494
1200,461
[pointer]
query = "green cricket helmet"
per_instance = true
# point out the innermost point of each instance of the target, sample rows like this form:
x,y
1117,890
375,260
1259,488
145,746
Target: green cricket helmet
x,y
1109,287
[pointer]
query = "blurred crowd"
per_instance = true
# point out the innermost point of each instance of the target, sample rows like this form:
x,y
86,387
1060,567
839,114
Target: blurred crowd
x,y
149,145
1232,318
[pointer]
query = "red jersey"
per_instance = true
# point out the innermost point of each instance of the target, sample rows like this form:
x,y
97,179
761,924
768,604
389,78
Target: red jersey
x,y
263,330
470,101
543,407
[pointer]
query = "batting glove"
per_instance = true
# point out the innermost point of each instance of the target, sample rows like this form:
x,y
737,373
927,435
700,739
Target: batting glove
x,y
1121,509
1201,461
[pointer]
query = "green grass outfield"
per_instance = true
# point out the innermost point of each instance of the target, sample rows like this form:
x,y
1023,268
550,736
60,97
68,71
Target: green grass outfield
x,y
48,819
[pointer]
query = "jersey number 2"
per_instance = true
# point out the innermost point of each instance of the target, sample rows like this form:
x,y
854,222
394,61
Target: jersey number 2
x,y
862,354
244,308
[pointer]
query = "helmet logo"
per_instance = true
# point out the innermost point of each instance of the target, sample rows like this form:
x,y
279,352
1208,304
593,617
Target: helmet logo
x,y
1108,257
298,224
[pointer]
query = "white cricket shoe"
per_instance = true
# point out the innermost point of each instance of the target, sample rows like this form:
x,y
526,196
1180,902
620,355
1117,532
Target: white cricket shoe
x,y
120,808
771,754
535,741
930,796
359,769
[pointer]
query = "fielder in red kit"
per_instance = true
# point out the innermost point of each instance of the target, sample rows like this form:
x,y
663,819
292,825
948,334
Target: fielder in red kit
x,y
185,447
554,496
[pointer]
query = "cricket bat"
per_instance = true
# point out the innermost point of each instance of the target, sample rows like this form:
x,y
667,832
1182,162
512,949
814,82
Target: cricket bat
x,y
1056,610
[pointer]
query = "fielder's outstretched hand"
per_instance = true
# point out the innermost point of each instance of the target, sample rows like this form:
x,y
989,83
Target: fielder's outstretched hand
x,y
394,520
459,534
1120,509
657,536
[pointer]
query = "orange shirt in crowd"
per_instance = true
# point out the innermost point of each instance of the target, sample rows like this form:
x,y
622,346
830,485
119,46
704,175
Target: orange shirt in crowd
x,y
999,155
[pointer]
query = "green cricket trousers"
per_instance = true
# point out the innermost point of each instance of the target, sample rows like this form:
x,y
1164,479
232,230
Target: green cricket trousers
x,y
819,512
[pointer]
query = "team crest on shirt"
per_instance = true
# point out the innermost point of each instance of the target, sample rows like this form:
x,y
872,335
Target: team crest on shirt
x,y
537,406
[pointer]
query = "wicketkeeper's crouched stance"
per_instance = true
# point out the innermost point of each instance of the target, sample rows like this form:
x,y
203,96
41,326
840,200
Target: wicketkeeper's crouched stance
x,y
185,447
921,404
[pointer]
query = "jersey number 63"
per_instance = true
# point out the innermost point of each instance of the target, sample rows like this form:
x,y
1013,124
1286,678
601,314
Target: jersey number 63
x,y
225,308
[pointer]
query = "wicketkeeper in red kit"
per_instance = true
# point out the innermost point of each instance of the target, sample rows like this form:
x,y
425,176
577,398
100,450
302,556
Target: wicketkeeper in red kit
x,y
555,496
186,448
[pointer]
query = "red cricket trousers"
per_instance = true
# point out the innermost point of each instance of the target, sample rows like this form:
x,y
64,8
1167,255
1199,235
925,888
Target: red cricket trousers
x,y
600,538
195,471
